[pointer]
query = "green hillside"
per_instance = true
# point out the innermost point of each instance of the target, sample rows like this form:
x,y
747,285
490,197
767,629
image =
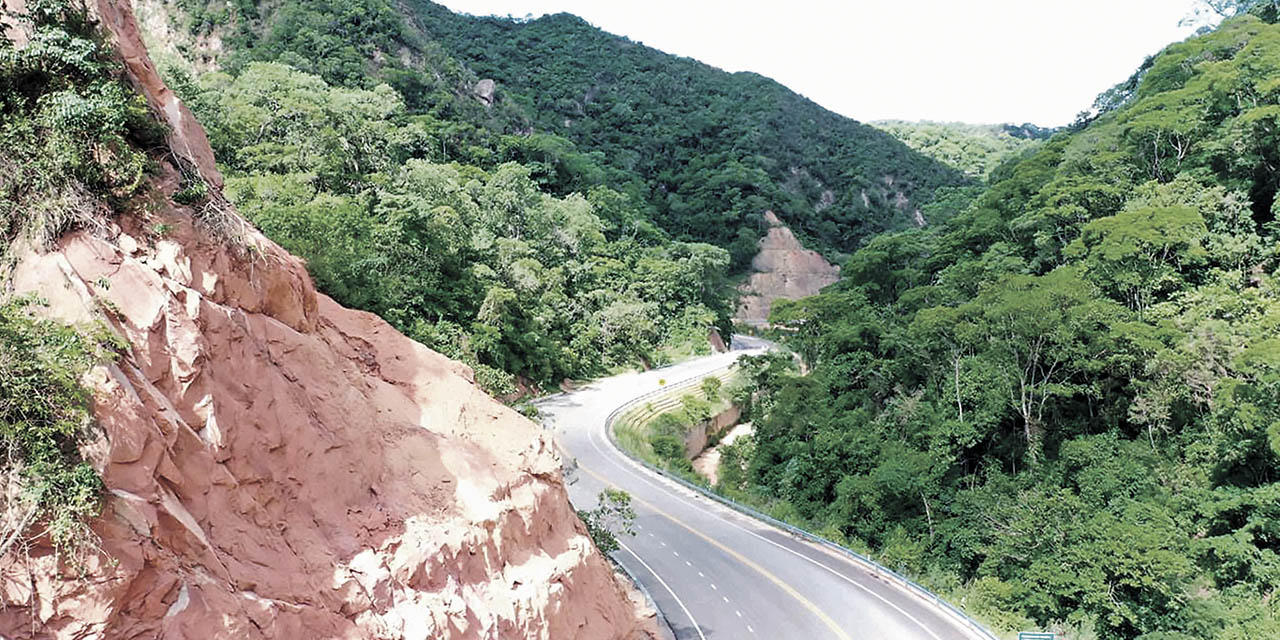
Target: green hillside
x,y
1061,405
706,152
708,149
975,149
581,216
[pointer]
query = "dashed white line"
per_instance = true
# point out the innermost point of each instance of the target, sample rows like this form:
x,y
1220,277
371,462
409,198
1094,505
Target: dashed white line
x,y
677,553
713,585
700,575
696,626
738,612
688,564
627,465
725,598
750,629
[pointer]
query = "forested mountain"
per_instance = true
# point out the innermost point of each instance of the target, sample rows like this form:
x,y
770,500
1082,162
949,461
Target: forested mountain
x,y
1063,404
708,149
607,187
975,149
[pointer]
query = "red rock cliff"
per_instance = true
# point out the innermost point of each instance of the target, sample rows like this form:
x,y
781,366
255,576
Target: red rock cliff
x,y
782,269
278,466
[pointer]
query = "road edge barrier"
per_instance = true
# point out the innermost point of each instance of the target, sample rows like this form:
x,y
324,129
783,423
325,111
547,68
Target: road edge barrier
x,y
877,569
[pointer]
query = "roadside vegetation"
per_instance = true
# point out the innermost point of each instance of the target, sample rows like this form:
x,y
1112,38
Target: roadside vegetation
x,y
612,516
657,430
1060,405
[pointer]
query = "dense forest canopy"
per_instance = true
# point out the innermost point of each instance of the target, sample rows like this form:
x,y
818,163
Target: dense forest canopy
x,y
1061,405
975,149
581,214
705,151
708,149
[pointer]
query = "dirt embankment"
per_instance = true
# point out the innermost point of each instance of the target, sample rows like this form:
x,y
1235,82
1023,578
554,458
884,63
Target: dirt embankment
x,y
278,466
782,269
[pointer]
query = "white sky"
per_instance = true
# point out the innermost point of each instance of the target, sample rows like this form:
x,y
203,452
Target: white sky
x,y
981,61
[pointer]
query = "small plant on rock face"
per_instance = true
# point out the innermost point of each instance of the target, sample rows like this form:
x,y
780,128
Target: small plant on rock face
x,y
193,192
48,488
612,517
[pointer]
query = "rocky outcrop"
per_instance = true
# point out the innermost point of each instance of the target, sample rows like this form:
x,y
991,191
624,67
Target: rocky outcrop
x,y
782,269
486,91
278,466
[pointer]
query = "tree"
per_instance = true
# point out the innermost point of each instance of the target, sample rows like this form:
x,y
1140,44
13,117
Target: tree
x,y
1141,254
612,516
711,388
1047,335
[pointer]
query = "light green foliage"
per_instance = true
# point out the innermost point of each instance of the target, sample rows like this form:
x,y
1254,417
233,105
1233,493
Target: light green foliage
x,y
43,419
711,389
1060,404
612,517
481,264
974,149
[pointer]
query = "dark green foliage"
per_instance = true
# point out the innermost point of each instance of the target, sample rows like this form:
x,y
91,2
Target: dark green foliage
x,y
70,131
1061,404
704,152
708,150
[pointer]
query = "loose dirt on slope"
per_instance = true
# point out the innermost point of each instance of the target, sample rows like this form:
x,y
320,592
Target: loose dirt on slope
x,y
782,269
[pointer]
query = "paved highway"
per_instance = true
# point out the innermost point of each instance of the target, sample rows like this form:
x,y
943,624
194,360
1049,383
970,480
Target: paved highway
x,y
718,574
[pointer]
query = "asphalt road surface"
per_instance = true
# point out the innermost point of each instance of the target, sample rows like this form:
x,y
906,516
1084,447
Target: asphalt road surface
x,y
718,574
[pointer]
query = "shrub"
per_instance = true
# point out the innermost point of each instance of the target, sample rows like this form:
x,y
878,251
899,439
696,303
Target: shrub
x,y
43,417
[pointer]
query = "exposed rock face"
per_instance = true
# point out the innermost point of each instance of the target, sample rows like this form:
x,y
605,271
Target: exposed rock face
x,y
278,466
782,269
186,137
486,90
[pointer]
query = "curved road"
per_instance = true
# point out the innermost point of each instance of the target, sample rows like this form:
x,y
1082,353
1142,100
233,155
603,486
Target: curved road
x,y
718,574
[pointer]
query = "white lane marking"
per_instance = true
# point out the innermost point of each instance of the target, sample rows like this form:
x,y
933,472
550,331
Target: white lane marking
x,y
647,478
700,575
725,598
696,626
750,629
688,564
677,553
713,585
738,612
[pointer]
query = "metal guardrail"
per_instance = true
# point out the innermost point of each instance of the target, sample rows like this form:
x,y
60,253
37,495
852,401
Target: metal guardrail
x,y
875,567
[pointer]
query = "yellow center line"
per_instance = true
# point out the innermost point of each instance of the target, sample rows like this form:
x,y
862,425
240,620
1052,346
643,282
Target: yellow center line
x,y
826,619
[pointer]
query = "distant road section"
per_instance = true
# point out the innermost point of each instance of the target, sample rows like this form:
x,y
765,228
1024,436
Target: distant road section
x,y
714,572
